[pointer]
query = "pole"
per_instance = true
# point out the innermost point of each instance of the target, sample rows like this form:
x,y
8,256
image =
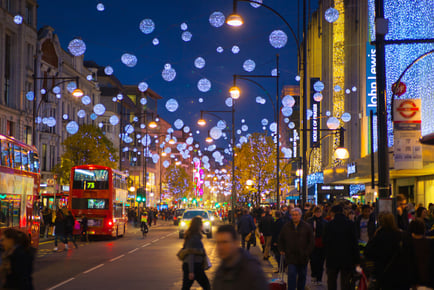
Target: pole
x,y
383,144
278,135
35,99
145,179
160,178
371,115
234,196
304,187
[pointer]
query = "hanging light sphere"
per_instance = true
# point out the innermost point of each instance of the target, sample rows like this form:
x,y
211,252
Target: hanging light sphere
x,y
331,15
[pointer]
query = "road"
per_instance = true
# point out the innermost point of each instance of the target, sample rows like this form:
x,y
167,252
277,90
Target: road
x,y
130,261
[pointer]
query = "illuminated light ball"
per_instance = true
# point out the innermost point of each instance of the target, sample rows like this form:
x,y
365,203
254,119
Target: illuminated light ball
x,y
235,49
217,19
44,120
287,111
220,49
257,4
100,7
72,127
134,159
129,129
333,123
204,85
178,124
114,99
142,86
318,86
274,72
291,125
243,139
337,88
89,77
128,59
65,116
346,117
77,47
51,122
100,124
147,26
108,70
166,164
56,90
347,91
184,26
18,19
331,15
297,78
273,127
259,99
205,158
114,120
58,96
99,109
221,124
155,158
189,140
81,114
146,140
200,100
288,101
244,128
354,89
215,133
186,36
199,62
243,121
172,105
155,41
328,113
168,74
43,91
264,128
70,87
143,101
168,150
229,102
30,95
264,122
86,100
120,97
249,65
127,139
309,113
286,120
278,38
138,136
317,97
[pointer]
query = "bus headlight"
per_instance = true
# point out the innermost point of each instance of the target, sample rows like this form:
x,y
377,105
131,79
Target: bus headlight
x,y
183,224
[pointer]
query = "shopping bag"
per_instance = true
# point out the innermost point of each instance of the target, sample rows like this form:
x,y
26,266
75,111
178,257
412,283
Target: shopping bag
x,y
279,282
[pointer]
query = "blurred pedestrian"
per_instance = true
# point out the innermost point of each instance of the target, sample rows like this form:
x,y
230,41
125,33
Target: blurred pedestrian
x,y
266,228
192,265
365,225
238,269
296,242
276,229
83,228
17,260
341,249
317,258
69,229
47,217
391,250
246,228
59,230
402,218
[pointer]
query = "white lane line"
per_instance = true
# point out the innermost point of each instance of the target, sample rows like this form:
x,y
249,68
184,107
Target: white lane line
x,y
117,258
145,245
154,241
132,251
94,268
60,284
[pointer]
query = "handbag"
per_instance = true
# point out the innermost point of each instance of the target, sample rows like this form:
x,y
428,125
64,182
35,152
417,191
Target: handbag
x,y
182,254
262,239
206,263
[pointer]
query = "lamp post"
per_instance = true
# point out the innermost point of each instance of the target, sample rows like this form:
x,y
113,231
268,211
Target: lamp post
x,y
235,94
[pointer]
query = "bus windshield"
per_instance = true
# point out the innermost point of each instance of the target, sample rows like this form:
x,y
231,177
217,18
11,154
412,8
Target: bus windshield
x,y
90,179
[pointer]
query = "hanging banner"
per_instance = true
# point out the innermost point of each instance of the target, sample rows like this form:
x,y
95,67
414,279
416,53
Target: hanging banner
x,y
371,78
314,120
407,126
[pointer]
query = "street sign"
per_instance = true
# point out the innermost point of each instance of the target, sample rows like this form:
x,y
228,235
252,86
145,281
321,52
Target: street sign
x,y
399,88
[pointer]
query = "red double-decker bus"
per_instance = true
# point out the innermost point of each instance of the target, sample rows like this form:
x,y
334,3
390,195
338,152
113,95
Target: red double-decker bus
x,y
19,187
99,193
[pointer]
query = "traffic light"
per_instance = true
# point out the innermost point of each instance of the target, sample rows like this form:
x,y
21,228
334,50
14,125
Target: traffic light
x,y
140,195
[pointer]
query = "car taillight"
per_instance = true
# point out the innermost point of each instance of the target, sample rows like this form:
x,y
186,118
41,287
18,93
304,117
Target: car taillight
x,y
175,218
110,223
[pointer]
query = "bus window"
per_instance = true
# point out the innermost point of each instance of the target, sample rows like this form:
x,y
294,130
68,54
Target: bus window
x,y
17,157
9,212
34,162
89,203
118,210
5,154
25,159
90,179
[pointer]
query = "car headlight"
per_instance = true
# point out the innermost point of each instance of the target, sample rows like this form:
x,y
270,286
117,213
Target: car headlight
x,y
212,218
207,223
183,224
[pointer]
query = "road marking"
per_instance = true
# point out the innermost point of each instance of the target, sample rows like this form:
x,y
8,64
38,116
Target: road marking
x,y
117,258
61,284
94,268
154,241
145,245
132,251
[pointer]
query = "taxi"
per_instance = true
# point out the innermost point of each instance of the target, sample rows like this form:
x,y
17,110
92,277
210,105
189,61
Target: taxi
x,y
188,215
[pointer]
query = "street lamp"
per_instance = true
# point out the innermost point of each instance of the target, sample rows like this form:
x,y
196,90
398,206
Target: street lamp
x,y
78,93
201,122
152,125
235,20
235,92
208,139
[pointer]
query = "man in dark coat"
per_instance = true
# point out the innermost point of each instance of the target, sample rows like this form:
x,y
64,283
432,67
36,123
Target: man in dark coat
x,y
296,242
277,228
246,225
342,252
238,270
266,228
402,212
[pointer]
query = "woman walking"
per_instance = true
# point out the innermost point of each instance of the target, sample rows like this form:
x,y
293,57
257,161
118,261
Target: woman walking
x,y
192,265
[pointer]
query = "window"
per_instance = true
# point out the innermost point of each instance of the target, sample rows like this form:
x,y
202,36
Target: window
x,y
10,211
52,157
89,203
34,162
10,128
25,160
7,69
195,213
44,157
9,5
29,134
18,161
29,14
118,210
29,56
90,179
5,154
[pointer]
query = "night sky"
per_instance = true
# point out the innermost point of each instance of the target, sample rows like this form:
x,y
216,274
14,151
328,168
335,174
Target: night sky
x,y
114,31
